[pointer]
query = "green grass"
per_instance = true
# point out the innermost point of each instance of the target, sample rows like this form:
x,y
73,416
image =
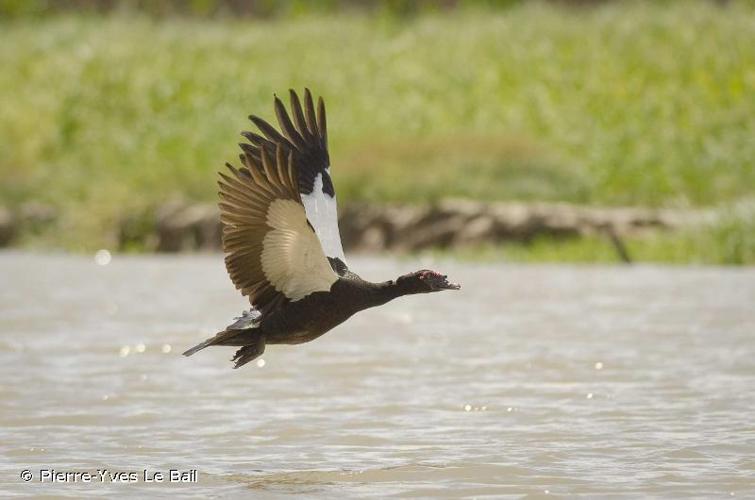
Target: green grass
x,y
636,103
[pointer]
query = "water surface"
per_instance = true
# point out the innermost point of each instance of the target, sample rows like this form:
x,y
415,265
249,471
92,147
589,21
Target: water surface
x,y
530,381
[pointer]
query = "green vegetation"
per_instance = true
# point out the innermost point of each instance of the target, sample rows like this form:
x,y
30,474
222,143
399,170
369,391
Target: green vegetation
x,y
247,8
638,103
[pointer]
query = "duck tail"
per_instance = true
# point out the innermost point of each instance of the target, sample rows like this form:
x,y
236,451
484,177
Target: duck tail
x,y
200,346
219,339
243,331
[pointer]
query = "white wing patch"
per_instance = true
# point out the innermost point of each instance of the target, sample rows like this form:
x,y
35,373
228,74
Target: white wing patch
x,y
322,213
292,257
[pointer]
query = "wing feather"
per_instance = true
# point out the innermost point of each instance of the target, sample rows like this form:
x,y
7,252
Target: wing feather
x,y
303,141
268,130
298,114
309,113
322,123
272,254
286,126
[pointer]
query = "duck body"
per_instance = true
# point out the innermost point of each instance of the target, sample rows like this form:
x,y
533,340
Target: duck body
x,y
282,244
320,312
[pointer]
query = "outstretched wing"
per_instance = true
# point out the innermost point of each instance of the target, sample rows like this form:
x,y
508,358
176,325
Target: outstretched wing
x,y
306,137
272,253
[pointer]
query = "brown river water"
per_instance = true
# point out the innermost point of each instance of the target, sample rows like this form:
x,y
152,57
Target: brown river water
x,y
530,382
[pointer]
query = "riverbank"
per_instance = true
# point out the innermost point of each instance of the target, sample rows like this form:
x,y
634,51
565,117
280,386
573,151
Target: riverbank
x,y
470,229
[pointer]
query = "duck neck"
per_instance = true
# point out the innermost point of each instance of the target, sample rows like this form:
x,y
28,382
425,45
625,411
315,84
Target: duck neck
x,y
387,291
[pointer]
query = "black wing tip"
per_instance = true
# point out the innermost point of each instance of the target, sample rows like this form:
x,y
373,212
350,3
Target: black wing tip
x,y
308,101
292,92
256,119
251,136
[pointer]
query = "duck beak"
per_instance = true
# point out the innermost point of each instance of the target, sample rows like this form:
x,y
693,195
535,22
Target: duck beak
x,y
447,285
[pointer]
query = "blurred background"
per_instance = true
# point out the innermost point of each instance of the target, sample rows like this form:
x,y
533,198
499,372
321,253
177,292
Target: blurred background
x,y
466,137
561,130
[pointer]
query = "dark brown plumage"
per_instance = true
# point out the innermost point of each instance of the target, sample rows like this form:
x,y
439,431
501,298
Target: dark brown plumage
x,y
280,237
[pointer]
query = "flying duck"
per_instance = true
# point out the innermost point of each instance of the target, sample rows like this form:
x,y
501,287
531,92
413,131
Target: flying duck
x,y
281,241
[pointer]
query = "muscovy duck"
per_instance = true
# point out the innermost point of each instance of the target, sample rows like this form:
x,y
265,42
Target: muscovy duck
x,y
281,241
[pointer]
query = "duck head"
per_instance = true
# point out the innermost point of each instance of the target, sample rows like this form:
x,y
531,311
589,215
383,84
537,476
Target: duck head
x,y
425,281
